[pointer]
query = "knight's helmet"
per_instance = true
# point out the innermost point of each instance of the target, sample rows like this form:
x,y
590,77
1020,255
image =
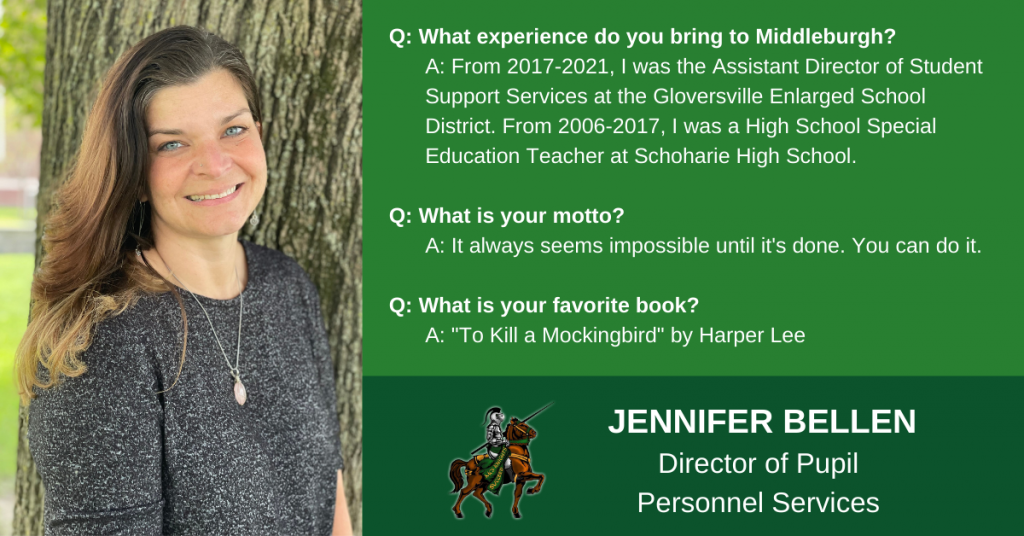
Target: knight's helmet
x,y
490,414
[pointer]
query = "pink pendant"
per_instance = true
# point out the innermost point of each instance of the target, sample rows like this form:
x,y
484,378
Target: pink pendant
x,y
240,392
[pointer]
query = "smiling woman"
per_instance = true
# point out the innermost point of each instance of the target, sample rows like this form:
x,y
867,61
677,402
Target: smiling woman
x,y
129,435
210,157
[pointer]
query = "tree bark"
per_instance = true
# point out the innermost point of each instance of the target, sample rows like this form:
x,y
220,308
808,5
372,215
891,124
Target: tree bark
x,y
307,59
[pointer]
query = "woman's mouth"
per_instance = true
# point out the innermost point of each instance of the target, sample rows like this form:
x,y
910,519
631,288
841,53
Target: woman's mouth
x,y
216,198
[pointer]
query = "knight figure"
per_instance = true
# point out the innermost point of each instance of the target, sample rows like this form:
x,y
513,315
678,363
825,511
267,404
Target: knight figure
x,y
496,440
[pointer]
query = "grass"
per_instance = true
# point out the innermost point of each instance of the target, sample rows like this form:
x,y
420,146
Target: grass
x,y
15,280
17,218
16,214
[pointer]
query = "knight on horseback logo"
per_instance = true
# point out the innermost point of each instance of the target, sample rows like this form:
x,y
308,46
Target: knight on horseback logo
x,y
505,460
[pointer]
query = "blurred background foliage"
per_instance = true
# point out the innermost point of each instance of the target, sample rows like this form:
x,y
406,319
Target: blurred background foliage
x,y
22,64
23,57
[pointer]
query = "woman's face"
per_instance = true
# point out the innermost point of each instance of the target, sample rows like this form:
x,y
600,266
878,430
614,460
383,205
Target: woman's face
x,y
207,167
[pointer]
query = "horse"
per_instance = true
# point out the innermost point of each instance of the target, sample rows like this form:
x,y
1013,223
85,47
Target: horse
x,y
519,435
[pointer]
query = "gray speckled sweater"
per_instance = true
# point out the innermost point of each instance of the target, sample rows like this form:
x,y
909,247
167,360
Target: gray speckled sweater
x,y
116,457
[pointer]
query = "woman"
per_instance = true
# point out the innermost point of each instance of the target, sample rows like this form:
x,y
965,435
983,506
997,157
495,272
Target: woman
x,y
181,379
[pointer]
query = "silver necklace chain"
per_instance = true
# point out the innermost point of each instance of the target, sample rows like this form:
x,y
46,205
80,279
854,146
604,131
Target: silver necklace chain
x,y
235,372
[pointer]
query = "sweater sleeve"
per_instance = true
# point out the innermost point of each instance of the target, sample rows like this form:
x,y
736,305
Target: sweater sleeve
x,y
96,441
325,369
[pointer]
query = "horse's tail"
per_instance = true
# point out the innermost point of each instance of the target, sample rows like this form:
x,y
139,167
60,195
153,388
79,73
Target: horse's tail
x,y
455,473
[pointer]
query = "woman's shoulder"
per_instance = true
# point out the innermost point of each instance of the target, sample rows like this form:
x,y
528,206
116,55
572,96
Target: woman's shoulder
x,y
146,320
118,351
119,379
286,283
120,348
277,266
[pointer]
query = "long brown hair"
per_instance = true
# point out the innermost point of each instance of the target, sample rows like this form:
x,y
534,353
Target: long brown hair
x,y
89,271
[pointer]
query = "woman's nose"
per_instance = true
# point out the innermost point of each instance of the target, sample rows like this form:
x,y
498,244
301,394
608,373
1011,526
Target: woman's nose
x,y
211,159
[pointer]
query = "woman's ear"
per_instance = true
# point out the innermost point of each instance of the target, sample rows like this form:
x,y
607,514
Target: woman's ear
x,y
259,128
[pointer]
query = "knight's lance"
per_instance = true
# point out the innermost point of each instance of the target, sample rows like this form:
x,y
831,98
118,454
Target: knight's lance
x,y
535,413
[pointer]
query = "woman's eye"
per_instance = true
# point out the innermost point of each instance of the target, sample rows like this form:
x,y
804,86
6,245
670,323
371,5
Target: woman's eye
x,y
235,131
169,146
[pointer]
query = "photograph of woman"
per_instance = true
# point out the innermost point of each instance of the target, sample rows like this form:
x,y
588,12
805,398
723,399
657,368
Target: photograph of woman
x,y
178,379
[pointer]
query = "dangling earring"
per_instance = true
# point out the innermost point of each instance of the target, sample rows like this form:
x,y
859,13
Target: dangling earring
x,y
254,220
142,217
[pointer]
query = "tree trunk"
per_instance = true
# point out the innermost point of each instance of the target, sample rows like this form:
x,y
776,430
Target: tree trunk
x,y
307,59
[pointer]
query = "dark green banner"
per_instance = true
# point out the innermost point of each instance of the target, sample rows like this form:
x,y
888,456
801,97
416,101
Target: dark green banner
x,y
953,471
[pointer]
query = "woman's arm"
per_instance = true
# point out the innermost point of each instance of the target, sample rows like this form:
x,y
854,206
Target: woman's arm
x,y
342,522
96,440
